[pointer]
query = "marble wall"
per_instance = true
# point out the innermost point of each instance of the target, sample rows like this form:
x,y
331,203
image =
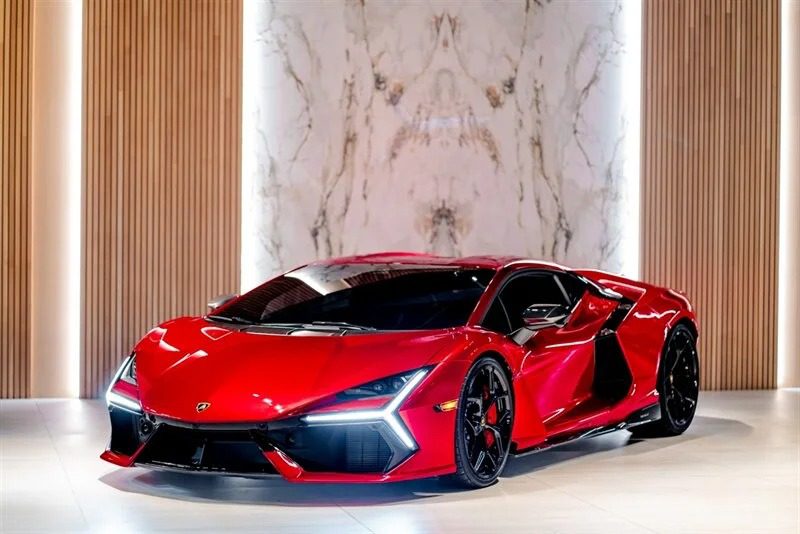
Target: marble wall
x,y
455,128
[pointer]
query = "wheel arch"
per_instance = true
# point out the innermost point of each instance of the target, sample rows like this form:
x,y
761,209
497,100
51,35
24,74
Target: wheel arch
x,y
495,355
659,427
688,323
678,320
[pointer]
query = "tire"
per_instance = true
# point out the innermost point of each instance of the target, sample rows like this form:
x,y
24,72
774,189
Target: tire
x,y
483,424
678,386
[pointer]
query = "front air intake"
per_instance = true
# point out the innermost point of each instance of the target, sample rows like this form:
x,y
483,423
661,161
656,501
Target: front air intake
x,y
365,450
223,451
346,448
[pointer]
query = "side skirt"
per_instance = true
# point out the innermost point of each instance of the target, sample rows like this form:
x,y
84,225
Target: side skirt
x,y
647,414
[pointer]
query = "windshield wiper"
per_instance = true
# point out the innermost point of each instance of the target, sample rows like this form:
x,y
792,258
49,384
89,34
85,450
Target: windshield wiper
x,y
235,319
343,325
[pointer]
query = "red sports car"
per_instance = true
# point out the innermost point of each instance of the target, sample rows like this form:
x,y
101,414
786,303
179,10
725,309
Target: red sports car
x,y
397,366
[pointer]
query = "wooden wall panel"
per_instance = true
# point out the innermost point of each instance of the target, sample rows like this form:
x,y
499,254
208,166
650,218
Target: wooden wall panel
x,y
710,123
162,127
16,34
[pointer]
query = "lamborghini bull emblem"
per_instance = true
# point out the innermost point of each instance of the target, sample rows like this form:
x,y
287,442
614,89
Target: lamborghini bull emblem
x,y
202,406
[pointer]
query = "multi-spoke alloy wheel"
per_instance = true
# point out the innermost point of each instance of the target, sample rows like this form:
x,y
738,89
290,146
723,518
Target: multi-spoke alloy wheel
x,y
483,424
678,387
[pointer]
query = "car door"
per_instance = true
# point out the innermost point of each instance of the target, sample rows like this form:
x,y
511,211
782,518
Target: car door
x,y
558,366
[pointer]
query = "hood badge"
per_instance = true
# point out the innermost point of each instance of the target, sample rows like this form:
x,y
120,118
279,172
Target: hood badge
x,y
202,406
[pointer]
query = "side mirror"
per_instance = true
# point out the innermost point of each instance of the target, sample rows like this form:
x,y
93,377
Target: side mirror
x,y
221,300
539,316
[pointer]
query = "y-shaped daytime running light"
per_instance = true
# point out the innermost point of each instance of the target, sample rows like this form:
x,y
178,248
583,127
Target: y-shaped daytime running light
x,y
388,414
121,401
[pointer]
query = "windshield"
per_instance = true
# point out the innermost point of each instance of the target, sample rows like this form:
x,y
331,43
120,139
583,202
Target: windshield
x,y
382,296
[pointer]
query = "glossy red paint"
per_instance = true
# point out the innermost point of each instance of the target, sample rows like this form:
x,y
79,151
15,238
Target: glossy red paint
x,y
261,377
126,389
120,459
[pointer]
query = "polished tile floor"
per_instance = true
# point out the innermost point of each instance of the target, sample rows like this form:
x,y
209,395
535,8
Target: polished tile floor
x,y
737,469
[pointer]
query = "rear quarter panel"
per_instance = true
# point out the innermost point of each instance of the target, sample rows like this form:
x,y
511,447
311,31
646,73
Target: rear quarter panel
x,y
642,335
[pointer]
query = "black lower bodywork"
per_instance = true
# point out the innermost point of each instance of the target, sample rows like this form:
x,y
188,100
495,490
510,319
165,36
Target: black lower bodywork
x,y
240,449
646,415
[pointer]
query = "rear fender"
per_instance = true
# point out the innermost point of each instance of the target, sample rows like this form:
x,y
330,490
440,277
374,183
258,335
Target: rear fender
x,y
644,333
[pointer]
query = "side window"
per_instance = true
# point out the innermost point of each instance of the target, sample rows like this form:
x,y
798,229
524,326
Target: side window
x,y
505,314
573,286
496,318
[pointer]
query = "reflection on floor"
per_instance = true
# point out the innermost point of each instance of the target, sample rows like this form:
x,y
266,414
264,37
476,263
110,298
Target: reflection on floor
x,y
736,470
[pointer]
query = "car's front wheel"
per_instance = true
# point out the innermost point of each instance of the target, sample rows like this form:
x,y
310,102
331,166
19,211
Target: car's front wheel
x,y
678,385
483,424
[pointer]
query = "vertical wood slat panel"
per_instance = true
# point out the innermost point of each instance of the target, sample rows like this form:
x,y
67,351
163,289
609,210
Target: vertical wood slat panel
x,y
162,119
710,174
16,35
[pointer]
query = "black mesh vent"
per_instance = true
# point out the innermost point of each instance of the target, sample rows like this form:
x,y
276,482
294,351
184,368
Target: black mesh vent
x,y
124,431
351,448
231,451
365,450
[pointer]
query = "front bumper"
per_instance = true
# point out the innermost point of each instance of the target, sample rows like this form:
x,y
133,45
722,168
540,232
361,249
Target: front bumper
x,y
406,439
290,448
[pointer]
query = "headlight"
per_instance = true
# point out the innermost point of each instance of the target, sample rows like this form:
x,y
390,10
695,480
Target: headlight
x,y
390,385
129,371
125,373
387,414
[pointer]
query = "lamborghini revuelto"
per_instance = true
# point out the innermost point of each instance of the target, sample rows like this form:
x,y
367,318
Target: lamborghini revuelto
x,y
394,366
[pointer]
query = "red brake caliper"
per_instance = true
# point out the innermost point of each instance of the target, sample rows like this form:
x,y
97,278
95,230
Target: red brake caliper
x,y
491,419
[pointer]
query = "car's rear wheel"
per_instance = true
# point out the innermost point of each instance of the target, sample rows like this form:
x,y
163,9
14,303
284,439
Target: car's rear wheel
x,y
483,424
678,385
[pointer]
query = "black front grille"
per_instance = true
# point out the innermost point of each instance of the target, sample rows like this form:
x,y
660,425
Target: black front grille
x,y
365,450
348,448
239,449
226,451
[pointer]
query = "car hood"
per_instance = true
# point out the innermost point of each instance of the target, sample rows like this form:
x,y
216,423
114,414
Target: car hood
x,y
249,376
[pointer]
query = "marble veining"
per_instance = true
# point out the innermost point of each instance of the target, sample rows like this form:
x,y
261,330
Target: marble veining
x,y
447,127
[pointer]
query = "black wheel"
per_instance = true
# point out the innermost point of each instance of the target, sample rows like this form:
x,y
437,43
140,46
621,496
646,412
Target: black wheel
x,y
678,385
483,424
